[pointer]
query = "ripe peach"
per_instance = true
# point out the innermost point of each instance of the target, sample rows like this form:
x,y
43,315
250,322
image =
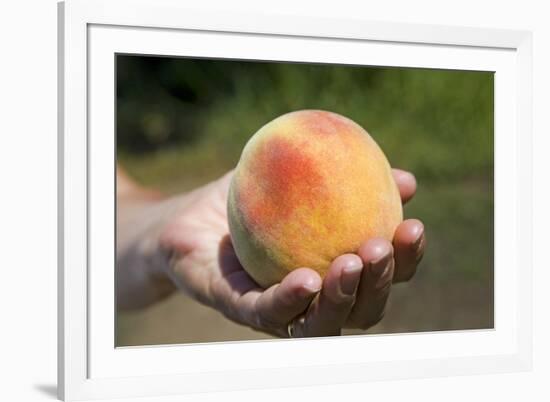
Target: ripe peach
x,y
310,185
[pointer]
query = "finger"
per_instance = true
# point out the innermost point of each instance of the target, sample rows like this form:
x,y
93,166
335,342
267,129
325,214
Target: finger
x,y
409,242
406,182
329,311
374,288
223,288
225,180
281,303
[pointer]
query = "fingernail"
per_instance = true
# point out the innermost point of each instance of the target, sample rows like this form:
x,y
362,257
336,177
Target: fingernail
x,y
349,279
309,289
416,243
380,266
419,247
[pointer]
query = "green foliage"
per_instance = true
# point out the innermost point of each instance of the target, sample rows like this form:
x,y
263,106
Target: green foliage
x,y
437,123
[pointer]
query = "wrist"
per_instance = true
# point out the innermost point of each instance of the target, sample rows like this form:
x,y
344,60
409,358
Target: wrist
x,y
142,264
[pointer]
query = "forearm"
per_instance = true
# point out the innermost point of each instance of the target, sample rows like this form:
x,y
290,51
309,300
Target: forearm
x,y
140,265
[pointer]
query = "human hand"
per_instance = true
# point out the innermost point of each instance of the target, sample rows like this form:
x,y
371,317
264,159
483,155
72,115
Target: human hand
x,y
353,293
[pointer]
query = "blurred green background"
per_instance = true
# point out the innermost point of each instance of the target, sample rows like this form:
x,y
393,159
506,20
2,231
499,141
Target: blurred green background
x,y
183,122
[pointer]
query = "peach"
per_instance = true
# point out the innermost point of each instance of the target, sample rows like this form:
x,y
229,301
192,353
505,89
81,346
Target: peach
x,y
309,186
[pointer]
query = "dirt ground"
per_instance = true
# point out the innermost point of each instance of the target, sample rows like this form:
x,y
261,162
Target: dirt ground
x,y
181,320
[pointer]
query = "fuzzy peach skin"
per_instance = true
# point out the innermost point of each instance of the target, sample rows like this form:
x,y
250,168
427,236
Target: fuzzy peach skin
x,y
310,185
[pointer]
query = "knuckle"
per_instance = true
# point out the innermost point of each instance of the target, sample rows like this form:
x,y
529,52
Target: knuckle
x,y
340,301
287,303
264,319
376,319
405,275
265,322
371,322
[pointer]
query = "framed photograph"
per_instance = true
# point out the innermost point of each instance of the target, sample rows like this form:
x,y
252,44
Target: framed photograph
x,y
256,201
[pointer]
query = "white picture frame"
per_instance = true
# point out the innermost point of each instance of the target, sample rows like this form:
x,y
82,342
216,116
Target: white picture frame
x,y
91,32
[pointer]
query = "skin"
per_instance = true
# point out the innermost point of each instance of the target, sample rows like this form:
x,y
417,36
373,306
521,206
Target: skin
x,y
183,243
